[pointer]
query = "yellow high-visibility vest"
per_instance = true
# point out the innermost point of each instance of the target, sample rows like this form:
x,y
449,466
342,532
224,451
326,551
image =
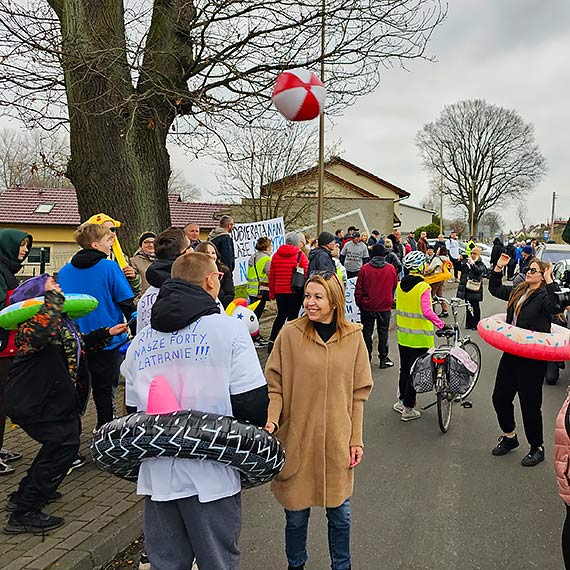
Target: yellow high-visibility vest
x,y
414,330
253,282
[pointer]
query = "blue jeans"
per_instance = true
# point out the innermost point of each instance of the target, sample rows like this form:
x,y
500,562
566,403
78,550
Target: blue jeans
x,y
297,523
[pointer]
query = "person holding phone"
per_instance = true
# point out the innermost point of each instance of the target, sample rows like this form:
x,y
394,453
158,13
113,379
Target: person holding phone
x,y
470,286
319,378
530,305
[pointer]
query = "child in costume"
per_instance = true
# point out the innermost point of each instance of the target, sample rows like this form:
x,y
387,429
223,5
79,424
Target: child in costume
x,y
46,392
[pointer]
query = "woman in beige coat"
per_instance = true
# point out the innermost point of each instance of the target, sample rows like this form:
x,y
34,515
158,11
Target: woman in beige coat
x,y
319,378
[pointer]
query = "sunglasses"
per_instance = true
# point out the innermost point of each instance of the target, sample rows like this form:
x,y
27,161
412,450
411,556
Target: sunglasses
x,y
218,273
113,229
533,270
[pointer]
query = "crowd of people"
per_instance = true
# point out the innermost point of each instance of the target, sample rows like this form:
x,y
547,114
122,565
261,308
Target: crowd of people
x,y
176,284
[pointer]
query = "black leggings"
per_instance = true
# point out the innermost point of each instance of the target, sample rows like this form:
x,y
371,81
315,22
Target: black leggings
x,y
566,539
288,306
472,321
104,366
408,356
522,376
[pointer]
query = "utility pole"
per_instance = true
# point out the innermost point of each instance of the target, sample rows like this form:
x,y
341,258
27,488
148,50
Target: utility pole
x,y
441,203
472,206
552,216
321,184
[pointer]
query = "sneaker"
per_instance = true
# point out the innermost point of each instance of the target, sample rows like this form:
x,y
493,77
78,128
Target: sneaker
x,y
386,363
409,415
444,315
398,407
533,457
5,469
79,461
8,456
11,505
35,522
505,445
144,563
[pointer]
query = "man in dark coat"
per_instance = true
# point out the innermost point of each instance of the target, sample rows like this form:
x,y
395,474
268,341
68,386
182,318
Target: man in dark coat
x,y
320,258
221,237
498,248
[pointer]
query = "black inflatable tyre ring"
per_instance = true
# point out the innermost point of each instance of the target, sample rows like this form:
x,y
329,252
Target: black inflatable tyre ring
x,y
120,445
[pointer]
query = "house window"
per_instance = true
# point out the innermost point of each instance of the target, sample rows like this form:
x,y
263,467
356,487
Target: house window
x,y
35,255
44,209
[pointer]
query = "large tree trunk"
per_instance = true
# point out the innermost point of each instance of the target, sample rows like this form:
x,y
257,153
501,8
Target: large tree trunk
x,y
119,162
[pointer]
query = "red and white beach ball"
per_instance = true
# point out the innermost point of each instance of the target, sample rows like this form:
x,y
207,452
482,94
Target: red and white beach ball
x,y
299,95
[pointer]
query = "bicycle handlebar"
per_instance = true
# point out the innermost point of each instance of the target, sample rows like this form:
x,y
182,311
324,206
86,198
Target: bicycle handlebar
x,y
455,301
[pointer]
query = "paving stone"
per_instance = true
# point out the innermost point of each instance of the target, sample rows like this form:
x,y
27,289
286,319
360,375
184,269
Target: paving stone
x,y
103,514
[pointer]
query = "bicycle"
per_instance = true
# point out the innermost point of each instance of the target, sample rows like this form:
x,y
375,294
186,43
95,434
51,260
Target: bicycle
x,y
444,397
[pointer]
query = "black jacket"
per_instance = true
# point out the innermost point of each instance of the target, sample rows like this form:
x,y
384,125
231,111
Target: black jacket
x,y
536,312
498,248
397,247
225,244
474,272
320,260
179,304
159,271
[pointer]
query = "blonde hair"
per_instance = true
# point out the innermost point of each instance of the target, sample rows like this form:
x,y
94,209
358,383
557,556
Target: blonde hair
x,y
336,296
87,233
388,243
523,287
193,267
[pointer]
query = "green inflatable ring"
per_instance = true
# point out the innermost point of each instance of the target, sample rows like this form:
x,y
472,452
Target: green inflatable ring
x,y
75,306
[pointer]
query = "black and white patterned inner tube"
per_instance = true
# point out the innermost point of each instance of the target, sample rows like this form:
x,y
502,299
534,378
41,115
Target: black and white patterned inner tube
x,y
120,445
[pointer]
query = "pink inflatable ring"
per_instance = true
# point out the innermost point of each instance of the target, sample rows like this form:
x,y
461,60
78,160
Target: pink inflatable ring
x,y
554,346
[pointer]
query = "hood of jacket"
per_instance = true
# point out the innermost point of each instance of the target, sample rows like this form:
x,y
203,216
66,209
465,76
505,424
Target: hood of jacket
x,y
497,241
217,232
409,282
378,261
159,271
10,240
86,258
287,250
180,303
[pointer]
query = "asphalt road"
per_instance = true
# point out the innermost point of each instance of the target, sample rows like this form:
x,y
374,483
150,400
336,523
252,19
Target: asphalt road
x,y
428,501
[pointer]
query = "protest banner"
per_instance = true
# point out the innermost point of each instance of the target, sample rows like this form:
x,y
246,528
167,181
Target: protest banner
x,y
352,310
245,236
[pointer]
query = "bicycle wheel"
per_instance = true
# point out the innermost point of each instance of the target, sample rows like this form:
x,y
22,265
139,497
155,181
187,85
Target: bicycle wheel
x,y
444,408
475,353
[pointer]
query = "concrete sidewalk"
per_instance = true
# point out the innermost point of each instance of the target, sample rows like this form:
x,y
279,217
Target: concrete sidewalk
x,y
103,514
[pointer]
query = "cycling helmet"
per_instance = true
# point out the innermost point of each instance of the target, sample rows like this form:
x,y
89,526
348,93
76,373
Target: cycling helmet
x,y
414,260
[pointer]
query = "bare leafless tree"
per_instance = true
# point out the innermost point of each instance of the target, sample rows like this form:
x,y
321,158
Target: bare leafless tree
x,y
32,159
178,184
125,74
486,154
494,222
522,215
260,158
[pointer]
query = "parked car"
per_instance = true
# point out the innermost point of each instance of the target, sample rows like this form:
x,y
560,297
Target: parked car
x,y
554,252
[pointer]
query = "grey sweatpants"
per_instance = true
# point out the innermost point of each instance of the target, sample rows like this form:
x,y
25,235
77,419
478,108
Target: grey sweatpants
x,y
178,531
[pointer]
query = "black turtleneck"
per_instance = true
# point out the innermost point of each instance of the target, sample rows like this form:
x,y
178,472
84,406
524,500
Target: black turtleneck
x,y
325,330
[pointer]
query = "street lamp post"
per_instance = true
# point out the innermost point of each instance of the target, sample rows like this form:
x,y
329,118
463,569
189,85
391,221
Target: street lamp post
x,y
321,181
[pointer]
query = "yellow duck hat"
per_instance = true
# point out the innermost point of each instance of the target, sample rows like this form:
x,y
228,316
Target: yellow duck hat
x,y
102,218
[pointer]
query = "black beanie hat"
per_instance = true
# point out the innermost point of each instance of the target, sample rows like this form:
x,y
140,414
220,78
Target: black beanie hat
x,y
378,250
145,236
325,238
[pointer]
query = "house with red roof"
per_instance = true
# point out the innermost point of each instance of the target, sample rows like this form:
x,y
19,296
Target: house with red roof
x,y
51,216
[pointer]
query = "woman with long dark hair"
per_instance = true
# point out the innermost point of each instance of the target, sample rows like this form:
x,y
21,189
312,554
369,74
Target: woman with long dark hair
x,y
531,306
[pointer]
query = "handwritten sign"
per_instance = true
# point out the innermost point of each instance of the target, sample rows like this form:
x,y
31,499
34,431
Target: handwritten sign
x,y
245,236
352,310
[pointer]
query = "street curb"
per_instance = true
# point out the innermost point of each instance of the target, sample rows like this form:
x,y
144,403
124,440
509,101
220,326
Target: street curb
x,y
104,545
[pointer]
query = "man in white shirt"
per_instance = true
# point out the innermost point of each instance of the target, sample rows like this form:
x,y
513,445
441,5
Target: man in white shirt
x,y
193,508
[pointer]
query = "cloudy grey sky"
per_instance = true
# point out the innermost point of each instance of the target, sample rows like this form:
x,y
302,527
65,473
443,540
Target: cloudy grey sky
x,y
513,53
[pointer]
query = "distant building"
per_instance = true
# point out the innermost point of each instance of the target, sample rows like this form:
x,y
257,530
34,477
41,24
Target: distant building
x,y
51,216
413,217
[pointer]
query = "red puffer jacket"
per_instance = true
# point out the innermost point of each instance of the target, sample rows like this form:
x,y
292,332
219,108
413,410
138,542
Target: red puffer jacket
x,y
283,264
562,452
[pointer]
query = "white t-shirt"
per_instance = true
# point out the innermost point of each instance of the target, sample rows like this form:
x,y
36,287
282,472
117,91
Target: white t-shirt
x,y
452,246
204,363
